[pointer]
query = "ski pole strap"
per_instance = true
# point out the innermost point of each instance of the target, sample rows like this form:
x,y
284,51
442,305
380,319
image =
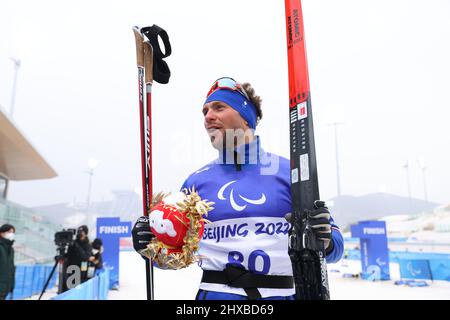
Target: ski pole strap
x,y
240,278
161,71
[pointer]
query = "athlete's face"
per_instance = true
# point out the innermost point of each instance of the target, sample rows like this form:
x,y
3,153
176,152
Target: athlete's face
x,y
222,120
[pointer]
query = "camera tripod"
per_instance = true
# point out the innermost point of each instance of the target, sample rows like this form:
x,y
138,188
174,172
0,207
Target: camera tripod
x,y
59,260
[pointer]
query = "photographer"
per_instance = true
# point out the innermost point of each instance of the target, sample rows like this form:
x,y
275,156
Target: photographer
x,y
79,254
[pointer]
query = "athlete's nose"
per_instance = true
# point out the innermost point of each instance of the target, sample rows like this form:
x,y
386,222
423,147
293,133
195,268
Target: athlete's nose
x,y
209,115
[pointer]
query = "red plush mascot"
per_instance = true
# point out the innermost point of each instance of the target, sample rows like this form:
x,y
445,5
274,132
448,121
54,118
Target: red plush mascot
x,y
177,221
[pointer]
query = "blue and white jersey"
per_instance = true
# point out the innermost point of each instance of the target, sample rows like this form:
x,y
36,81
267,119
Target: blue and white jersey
x,y
247,226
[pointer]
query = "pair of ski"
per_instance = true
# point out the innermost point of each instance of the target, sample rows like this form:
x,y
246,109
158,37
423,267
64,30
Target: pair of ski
x,y
306,252
151,67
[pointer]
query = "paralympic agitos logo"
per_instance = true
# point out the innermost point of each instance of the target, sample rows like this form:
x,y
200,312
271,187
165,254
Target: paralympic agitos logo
x,y
233,202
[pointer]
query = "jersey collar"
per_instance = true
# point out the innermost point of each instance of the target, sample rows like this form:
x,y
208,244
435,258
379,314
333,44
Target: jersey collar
x,y
249,153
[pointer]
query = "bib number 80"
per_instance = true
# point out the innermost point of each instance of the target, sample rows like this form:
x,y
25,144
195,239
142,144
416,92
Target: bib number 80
x,y
236,258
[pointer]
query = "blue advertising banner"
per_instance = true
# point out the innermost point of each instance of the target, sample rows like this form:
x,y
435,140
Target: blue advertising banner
x,y
110,230
440,269
374,249
415,269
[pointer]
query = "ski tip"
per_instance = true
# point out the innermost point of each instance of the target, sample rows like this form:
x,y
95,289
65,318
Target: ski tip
x,y
137,29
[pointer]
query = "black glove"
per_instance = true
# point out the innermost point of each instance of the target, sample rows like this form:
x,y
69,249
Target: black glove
x,y
141,234
319,220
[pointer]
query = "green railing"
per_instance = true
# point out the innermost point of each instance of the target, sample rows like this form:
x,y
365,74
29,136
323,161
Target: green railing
x,y
34,235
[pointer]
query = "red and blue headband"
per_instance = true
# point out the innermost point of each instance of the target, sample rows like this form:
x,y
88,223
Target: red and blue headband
x,y
229,91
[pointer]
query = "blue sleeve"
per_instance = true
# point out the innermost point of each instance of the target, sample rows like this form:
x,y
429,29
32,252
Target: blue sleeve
x,y
338,245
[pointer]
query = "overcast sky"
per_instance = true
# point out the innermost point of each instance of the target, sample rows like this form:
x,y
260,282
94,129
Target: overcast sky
x,y
381,67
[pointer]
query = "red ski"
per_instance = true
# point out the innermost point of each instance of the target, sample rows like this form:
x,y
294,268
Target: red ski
x,y
306,252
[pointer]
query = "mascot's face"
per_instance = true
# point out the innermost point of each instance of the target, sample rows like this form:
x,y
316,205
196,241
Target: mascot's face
x,y
161,225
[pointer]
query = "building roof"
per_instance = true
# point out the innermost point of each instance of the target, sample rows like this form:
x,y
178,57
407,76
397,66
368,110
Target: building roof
x,y
19,160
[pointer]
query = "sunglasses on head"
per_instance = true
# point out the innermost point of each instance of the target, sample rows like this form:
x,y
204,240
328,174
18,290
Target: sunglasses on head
x,y
229,84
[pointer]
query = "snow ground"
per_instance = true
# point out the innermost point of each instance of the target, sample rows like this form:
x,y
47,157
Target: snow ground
x,y
183,284
169,284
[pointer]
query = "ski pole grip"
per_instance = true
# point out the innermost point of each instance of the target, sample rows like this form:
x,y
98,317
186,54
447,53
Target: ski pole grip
x,y
139,46
148,62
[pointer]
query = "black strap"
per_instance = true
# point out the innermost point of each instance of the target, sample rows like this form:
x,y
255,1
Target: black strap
x,y
161,71
152,34
237,162
240,278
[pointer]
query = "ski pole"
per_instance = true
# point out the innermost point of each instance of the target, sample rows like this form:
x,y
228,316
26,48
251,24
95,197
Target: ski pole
x,y
150,65
144,121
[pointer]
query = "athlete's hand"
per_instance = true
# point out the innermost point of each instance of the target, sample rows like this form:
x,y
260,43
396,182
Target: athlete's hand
x,y
319,220
141,234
